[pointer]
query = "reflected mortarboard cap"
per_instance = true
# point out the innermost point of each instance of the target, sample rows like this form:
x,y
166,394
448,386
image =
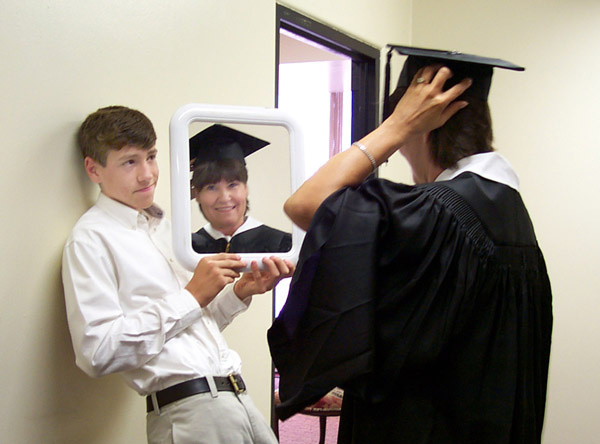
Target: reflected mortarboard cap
x,y
218,142
479,69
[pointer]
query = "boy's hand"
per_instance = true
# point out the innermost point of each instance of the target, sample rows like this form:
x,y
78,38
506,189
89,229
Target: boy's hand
x,y
258,282
212,274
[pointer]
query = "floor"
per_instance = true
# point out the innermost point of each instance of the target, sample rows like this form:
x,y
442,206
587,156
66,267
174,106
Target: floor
x,y
303,429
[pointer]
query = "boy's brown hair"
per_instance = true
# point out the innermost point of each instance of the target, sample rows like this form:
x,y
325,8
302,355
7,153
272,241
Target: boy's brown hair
x,y
112,128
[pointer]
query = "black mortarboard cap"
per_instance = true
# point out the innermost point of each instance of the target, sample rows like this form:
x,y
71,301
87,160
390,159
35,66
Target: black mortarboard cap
x,y
219,142
479,69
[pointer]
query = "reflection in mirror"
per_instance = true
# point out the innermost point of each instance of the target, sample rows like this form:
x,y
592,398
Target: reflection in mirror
x,y
231,165
274,172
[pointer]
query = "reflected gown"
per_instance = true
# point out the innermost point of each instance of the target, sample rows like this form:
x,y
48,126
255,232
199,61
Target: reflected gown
x,y
262,239
430,305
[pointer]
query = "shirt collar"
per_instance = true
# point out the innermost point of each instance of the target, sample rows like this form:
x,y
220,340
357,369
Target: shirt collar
x,y
248,224
491,166
127,215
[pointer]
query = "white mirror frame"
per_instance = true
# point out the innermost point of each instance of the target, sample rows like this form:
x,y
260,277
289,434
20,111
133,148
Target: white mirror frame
x,y
180,171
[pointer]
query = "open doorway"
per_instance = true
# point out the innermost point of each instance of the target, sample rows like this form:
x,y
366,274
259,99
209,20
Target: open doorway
x,y
329,82
314,86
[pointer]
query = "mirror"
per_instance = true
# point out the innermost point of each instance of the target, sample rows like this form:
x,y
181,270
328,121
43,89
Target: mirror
x,y
274,172
237,195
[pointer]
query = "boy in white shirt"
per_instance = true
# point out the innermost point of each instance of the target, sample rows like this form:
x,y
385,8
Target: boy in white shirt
x,y
132,308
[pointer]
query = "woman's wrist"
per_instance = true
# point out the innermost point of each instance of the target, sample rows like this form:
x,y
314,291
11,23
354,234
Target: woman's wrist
x,y
384,141
367,153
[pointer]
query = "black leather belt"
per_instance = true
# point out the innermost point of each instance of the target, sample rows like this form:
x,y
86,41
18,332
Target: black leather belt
x,y
231,383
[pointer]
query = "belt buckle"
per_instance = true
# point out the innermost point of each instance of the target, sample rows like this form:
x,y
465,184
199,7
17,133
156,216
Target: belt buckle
x,y
234,383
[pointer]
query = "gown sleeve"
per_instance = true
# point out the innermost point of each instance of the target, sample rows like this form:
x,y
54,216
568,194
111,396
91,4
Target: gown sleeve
x,y
323,336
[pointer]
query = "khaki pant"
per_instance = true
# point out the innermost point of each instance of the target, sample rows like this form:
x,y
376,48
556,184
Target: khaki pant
x,y
202,419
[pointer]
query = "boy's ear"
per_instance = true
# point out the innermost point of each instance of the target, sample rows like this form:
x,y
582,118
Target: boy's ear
x,y
91,168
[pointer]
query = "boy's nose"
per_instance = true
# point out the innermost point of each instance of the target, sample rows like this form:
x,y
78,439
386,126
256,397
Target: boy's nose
x,y
145,172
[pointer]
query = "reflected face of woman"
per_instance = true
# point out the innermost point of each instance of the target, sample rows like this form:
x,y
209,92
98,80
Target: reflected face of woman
x,y
224,204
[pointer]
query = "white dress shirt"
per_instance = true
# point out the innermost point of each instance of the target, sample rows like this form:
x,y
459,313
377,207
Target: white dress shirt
x,y
127,306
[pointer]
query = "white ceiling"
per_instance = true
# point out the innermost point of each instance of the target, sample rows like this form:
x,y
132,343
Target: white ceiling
x,y
295,49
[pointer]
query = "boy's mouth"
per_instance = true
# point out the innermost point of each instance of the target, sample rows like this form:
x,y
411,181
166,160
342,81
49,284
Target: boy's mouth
x,y
146,189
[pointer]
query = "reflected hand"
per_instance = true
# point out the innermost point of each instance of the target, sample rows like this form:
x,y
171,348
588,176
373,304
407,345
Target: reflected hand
x,y
212,274
257,281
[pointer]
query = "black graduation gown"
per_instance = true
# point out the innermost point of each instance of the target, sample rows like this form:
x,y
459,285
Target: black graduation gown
x,y
430,305
262,239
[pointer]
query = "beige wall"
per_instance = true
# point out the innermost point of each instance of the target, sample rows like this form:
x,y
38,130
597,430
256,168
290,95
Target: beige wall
x,y
63,59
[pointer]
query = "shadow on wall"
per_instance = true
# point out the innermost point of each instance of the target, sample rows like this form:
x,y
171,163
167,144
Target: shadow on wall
x,y
89,190
66,406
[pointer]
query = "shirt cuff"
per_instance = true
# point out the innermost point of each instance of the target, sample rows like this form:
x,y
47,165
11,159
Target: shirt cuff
x,y
231,302
183,303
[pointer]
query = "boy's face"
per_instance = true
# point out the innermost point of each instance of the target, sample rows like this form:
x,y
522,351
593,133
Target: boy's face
x,y
130,175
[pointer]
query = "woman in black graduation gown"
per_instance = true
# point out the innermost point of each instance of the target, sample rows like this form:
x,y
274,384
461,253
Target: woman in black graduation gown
x,y
429,305
219,185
